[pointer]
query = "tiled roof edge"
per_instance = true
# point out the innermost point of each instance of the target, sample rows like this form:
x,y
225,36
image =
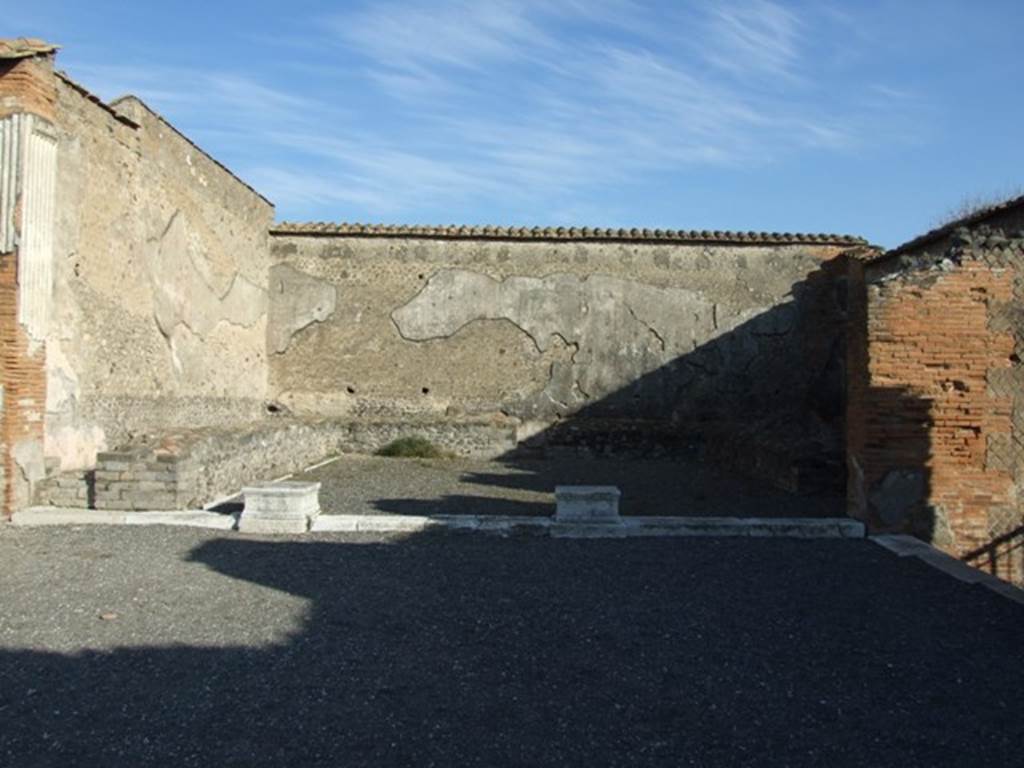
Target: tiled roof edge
x,y
325,229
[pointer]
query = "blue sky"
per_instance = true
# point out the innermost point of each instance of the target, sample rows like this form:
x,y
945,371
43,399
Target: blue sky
x,y
873,117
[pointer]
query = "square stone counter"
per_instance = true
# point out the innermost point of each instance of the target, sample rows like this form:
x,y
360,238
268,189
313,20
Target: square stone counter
x,y
284,507
587,504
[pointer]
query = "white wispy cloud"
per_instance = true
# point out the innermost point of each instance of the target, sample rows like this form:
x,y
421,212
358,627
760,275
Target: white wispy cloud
x,y
754,37
460,33
409,105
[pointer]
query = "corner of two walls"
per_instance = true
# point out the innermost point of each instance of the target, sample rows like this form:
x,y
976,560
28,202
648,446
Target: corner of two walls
x,y
160,284
27,180
135,298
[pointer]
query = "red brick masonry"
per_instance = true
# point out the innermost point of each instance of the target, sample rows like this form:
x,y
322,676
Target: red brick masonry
x,y
26,85
23,376
930,437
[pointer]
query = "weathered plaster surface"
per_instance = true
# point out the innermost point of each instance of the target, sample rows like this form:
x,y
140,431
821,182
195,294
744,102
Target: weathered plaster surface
x,y
160,297
299,300
540,330
618,330
30,465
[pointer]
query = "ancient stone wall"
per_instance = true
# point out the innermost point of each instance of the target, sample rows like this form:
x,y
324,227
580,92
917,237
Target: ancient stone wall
x,y
155,302
24,395
27,174
936,405
159,289
186,469
697,330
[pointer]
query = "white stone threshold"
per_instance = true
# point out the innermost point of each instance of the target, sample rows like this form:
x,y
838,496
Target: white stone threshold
x,y
803,528
908,546
191,518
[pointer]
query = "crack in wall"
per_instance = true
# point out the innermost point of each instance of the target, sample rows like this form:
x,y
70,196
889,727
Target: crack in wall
x,y
652,329
449,335
598,318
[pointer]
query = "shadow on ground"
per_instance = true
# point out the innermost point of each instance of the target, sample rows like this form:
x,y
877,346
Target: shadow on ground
x,y
670,486
446,649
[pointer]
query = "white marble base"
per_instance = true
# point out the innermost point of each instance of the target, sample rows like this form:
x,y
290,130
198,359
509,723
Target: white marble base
x,y
285,507
587,504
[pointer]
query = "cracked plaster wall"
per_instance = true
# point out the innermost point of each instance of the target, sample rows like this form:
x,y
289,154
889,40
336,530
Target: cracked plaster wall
x,y
159,313
542,330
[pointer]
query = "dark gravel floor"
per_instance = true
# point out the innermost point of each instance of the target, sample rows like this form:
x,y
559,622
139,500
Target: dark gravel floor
x,y
371,485
451,650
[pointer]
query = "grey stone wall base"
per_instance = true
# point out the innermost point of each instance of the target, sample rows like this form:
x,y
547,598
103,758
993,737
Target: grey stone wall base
x,y
207,463
908,546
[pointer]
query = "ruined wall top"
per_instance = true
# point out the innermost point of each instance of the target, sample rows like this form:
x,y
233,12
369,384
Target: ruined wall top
x,y
135,110
1007,215
996,231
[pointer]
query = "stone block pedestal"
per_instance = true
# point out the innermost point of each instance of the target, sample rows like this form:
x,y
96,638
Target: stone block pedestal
x,y
587,504
286,507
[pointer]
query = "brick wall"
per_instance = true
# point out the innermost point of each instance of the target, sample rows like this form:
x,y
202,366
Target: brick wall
x,y
27,85
931,439
23,377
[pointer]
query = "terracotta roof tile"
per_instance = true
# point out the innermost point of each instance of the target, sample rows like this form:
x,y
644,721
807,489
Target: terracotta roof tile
x,y
490,232
24,47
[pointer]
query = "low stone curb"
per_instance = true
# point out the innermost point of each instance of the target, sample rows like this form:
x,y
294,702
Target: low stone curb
x,y
628,527
806,528
32,516
787,527
374,523
907,546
